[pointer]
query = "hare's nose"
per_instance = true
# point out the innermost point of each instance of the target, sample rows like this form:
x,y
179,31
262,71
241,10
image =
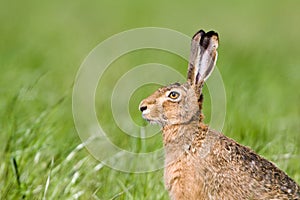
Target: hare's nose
x,y
142,108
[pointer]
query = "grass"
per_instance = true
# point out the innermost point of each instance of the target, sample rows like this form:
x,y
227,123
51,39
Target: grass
x,y
43,44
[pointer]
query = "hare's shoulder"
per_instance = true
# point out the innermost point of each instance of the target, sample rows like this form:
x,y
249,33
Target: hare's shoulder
x,y
241,162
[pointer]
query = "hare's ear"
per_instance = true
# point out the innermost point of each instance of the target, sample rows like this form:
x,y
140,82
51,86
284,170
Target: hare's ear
x,y
203,57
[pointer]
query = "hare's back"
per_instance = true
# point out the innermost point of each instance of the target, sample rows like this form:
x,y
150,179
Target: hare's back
x,y
235,170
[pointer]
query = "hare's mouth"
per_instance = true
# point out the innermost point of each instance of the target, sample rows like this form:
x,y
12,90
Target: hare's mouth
x,y
145,116
151,120
148,118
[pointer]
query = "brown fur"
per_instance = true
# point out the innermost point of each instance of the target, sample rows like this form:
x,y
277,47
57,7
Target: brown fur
x,y
201,163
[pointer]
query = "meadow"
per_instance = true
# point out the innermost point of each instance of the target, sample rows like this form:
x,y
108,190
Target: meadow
x,y
42,45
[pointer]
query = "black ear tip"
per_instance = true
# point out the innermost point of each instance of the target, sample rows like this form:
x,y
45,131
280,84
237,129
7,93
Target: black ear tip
x,y
211,33
205,40
200,32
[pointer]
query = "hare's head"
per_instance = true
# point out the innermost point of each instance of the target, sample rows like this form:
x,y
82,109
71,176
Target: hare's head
x,y
181,103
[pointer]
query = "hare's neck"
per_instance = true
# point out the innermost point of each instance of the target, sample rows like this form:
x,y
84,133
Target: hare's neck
x,y
180,137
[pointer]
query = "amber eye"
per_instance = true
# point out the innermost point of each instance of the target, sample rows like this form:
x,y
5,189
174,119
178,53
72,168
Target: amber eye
x,y
173,95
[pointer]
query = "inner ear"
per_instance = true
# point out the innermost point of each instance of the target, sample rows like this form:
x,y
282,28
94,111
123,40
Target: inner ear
x,y
203,57
194,56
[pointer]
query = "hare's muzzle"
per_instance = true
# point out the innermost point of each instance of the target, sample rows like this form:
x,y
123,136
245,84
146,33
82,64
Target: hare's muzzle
x,y
143,107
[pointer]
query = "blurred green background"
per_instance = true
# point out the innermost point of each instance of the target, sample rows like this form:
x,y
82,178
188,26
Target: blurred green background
x,y
43,43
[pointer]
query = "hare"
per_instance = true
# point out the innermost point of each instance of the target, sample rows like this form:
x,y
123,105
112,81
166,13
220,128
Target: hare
x,y
201,163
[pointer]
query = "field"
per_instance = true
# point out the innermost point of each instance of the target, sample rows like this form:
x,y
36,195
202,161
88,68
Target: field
x,y
43,45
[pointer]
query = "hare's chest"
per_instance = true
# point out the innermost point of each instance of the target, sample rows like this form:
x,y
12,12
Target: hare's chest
x,y
182,179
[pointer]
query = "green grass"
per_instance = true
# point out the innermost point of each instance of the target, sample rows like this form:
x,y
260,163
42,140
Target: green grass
x,y
43,44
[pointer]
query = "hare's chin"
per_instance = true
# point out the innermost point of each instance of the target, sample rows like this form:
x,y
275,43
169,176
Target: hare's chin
x,y
151,121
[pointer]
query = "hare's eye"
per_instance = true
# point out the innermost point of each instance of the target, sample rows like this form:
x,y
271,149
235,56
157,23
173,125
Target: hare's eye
x,y
173,95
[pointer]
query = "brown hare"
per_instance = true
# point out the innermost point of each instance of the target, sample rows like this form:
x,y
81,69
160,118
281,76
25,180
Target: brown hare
x,y
201,163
